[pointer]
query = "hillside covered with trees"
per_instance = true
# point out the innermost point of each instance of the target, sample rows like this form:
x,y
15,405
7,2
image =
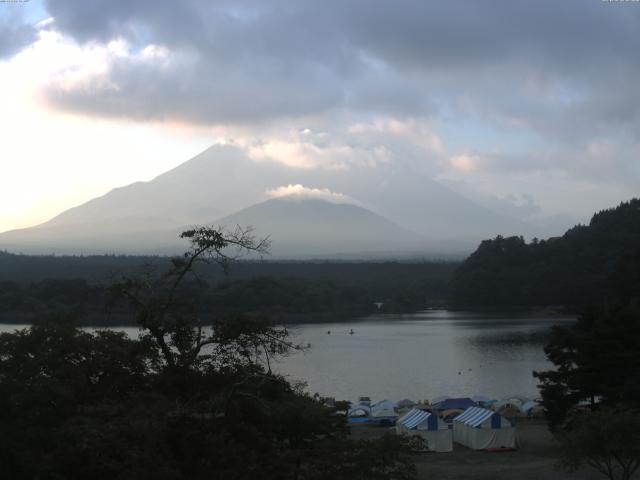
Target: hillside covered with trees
x,y
287,291
569,271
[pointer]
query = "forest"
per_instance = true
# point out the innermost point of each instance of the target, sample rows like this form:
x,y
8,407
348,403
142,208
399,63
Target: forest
x,y
569,271
289,292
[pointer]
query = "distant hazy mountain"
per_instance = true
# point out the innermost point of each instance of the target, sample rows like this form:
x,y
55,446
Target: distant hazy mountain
x,y
143,217
303,227
127,235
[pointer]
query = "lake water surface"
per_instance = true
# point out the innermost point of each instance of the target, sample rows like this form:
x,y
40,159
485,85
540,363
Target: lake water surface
x,y
418,356
423,355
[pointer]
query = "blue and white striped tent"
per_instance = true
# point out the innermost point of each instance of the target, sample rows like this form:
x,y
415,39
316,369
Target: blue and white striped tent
x,y
481,429
476,416
419,420
435,432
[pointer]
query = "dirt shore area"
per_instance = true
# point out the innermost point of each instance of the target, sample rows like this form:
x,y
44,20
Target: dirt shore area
x,y
535,459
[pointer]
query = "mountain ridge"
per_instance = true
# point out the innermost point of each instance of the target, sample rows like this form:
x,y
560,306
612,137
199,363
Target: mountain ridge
x,y
307,227
222,180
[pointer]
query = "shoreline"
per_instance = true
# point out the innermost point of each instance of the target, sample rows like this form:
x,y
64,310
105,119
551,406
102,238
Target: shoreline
x,y
120,320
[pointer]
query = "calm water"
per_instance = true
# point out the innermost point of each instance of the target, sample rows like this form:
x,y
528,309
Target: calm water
x,y
418,356
422,355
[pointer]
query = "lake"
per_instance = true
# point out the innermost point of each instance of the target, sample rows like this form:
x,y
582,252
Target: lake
x,y
418,356
423,355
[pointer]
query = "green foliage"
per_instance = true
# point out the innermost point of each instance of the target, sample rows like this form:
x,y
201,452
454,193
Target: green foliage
x,y
52,372
571,270
597,360
289,297
607,440
181,402
97,405
290,292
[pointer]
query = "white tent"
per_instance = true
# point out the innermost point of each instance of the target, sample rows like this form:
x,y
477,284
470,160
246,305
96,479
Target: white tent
x,y
482,429
435,432
384,412
359,414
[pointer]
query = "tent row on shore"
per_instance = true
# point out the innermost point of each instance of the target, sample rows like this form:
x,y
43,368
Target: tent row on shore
x,y
511,407
386,412
451,420
476,428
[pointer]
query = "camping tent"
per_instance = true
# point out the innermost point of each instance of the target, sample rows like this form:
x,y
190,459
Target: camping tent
x,y
532,409
359,414
449,415
509,407
451,403
508,410
482,429
384,412
406,403
384,405
439,399
436,433
481,399
514,400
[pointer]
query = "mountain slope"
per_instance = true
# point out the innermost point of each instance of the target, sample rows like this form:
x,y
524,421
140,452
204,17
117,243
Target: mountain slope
x,y
303,227
221,180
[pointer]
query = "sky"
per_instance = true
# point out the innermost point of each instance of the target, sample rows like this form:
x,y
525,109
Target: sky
x,y
529,108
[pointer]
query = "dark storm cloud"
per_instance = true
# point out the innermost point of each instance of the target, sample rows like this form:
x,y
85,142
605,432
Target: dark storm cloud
x,y
15,34
565,69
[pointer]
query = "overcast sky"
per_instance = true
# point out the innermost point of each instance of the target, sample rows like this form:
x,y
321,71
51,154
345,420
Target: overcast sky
x,y
529,107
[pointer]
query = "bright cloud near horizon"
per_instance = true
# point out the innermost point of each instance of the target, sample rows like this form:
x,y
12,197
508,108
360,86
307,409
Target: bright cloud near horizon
x,y
529,108
300,191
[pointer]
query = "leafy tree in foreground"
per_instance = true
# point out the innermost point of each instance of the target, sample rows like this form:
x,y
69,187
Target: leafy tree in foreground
x,y
597,360
607,440
592,397
181,402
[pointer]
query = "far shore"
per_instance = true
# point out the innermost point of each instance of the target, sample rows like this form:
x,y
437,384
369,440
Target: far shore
x,y
122,320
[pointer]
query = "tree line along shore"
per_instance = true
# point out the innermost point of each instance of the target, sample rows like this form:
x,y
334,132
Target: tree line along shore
x,y
559,274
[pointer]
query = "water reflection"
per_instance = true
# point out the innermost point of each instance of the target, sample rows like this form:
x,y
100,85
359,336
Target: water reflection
x,y
423,355
418,356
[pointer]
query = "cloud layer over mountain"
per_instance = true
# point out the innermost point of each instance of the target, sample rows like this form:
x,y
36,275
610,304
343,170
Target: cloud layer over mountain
x,y
547,71
500,100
